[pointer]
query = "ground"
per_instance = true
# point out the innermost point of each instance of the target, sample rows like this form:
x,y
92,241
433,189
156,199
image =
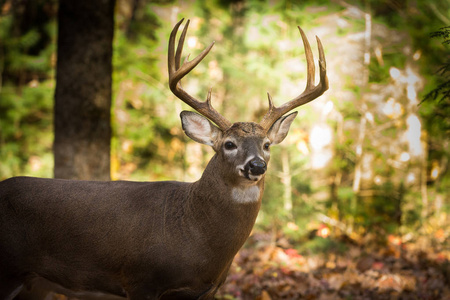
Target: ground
x,y
265,271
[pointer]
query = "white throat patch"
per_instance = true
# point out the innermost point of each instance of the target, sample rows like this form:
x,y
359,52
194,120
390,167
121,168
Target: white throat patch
x,y
246,195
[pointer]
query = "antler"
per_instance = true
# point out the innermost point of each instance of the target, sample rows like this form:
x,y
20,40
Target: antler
x,y
177,72
310,93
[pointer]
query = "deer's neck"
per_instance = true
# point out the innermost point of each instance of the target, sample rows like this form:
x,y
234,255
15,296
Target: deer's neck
x,y
223,203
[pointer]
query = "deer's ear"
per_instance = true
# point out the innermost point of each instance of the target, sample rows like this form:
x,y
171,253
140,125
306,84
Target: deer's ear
x,y
280,128
199,128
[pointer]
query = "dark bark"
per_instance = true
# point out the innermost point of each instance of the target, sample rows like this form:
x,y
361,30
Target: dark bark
x,y
83,89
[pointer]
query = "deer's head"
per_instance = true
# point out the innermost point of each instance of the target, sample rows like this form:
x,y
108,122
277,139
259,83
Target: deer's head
x,y
243,147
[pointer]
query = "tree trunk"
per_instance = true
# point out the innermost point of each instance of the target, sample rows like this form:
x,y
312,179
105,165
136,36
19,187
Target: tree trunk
x,y
83,89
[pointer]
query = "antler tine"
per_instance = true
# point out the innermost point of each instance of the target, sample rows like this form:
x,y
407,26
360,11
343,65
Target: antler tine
x,y
181,44
177,71
311,91
322,65
311,73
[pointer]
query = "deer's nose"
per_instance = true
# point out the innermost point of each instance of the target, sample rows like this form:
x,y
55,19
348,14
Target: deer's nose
x,y
257,166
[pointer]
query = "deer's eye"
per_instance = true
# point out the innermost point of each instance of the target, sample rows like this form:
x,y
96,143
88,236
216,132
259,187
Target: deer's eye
x,y
266,146
230,146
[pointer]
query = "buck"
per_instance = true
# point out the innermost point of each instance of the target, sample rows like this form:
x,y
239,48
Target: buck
x,y
149,240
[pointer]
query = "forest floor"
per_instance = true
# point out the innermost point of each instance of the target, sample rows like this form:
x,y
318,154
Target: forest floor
x,y
267,271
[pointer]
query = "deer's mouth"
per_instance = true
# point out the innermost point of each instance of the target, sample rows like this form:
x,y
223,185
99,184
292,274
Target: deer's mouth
x,y
248,175
253,169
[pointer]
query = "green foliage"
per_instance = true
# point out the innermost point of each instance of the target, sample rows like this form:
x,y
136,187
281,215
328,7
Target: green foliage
x,y
26,131
440,95
26,95
443,33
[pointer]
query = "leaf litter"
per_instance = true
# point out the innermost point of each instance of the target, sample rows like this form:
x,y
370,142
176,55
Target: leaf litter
x,y
266,271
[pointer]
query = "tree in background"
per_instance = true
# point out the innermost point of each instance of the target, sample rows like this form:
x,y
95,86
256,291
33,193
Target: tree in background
x,y
83,89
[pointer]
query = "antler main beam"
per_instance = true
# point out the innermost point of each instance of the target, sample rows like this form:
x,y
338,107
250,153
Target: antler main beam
x,y
177,71
311,91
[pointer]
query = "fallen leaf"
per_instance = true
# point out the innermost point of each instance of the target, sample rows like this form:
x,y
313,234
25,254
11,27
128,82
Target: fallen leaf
x,y
264,296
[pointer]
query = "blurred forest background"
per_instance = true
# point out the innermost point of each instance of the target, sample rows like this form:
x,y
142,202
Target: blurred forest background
x,y
364,167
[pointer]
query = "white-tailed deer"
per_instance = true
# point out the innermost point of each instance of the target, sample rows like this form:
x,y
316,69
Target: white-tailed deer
x,y
149,240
